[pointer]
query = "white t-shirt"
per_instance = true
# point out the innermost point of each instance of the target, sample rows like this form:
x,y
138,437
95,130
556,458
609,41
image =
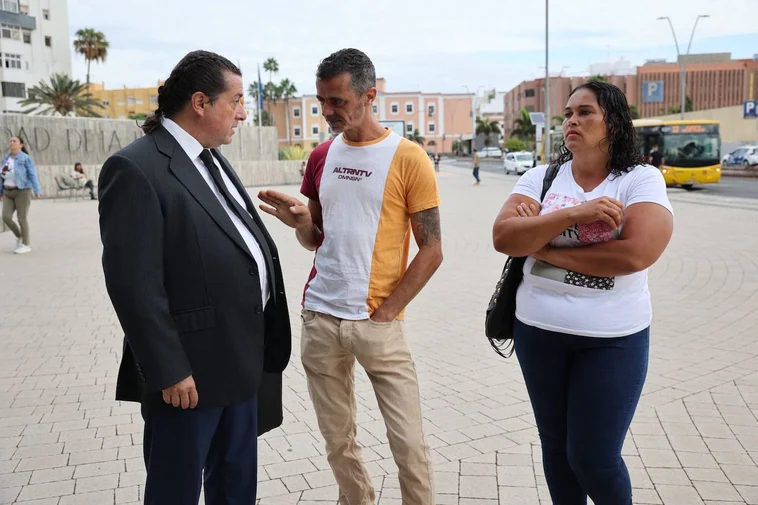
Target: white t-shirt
x,y
9,175
556,299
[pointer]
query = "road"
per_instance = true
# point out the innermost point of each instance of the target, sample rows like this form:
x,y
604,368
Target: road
x,y
729,187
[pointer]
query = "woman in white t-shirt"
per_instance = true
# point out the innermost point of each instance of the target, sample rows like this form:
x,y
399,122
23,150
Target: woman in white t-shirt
x,y
583,310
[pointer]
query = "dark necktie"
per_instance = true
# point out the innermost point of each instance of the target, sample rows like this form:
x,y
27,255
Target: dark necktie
x,y
207,158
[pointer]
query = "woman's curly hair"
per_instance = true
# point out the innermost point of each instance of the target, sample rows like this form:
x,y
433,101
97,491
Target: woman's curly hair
x,y
624,152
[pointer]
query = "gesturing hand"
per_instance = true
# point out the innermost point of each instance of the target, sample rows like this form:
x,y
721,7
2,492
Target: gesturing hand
x,y
182,394
287,209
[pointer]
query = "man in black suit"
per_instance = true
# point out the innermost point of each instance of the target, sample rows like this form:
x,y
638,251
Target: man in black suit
x,y
196,283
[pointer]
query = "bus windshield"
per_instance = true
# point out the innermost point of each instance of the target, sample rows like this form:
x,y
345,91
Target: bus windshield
x,y
691,146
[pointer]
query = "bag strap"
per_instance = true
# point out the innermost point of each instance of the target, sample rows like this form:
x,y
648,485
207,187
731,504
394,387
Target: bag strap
x,y
550,173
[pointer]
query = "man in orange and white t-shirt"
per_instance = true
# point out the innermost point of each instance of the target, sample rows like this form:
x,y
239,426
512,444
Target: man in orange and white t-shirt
x,y
367,189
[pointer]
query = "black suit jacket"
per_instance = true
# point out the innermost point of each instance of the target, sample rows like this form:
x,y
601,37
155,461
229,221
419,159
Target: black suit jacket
x,y
184,285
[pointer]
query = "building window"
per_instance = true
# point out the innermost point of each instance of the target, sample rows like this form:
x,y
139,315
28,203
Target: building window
x,y
409,127
529,93
49,41
14,89
296,131
12,61
154,100
46,14
314,130
11,32
10,6
394,108
431,127
375,108
121,102
106,103
27,36
131,101
296,112
409,108
314,110
431,109
140,101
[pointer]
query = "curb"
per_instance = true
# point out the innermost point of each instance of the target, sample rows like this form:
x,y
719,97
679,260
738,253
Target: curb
x,y
752,172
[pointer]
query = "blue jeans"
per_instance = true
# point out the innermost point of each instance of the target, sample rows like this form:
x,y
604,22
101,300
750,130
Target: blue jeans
x,y
476,173
584,392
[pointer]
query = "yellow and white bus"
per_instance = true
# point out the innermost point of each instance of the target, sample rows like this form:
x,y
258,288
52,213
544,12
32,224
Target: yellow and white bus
x,y
691,149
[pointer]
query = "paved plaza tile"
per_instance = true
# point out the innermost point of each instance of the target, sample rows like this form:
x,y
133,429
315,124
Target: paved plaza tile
x,y
694,439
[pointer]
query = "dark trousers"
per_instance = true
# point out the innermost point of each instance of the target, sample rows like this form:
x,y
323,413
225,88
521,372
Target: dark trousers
x,y
214,446
476,173
584,392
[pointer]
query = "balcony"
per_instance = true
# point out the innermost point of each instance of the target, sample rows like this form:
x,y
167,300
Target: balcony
x,y
22,20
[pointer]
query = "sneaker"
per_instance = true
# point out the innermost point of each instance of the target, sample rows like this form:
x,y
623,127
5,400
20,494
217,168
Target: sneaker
x,y
19,242
23,249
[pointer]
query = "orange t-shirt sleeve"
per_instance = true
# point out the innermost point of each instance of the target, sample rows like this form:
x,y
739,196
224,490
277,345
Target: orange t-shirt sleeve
x,y
421,191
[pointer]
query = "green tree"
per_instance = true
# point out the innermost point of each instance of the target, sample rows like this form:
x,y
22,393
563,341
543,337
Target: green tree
x,y
63,96
252,92
272,67
634,111
515,144
523,127
91,44
455,146
287,90
688,106
140,117
597,78
416,137
487,128
265,119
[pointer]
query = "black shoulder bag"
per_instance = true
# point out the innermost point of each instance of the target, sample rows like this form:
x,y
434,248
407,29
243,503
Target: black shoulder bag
x,y
501,311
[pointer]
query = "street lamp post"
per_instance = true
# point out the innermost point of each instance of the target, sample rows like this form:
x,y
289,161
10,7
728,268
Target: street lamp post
x,y
682,68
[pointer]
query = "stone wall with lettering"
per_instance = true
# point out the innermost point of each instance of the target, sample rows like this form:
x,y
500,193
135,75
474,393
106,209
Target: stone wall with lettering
x,y
56,143
66,140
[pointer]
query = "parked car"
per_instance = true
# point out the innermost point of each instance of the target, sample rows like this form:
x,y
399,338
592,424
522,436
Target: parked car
x,y
519,162
743,157
491,152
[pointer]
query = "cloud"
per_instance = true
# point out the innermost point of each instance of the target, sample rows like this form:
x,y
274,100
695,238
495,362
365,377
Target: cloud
x,y
438,45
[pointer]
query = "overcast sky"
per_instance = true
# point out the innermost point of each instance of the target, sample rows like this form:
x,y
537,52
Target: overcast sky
x,y
425,45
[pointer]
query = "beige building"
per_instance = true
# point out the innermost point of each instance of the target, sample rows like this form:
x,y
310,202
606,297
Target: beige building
x,y
124,102
441,118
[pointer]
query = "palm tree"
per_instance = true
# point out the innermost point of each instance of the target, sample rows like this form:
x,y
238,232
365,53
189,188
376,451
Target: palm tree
x,y
91,44
487,127
62,96
597,78
287,89
416,137
272,67
272,92
523,127
634,111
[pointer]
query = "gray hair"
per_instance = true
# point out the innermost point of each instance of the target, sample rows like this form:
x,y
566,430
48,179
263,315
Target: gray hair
x,y
349,61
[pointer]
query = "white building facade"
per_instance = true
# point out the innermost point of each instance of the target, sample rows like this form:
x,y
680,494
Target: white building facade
x,y
34,44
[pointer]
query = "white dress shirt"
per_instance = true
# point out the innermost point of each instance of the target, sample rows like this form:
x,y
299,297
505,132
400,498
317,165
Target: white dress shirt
x,y
193,149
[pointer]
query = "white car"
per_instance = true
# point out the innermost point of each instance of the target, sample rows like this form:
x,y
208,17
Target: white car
x,y
519,162
742,157
490,152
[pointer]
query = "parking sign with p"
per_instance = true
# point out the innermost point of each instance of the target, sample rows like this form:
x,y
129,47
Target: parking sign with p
x,y
750,109
652,92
